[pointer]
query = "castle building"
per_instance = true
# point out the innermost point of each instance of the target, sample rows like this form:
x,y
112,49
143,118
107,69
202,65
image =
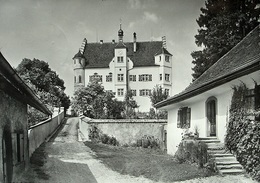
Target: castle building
x,y
122,66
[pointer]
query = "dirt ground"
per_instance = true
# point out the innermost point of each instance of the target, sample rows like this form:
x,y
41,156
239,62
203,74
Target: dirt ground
x,y
65,160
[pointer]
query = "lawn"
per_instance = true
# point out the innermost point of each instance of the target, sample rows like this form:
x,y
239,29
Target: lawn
x,y
152,164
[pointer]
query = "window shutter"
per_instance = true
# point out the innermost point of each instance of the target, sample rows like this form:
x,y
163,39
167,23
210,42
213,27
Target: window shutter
x,y
188,117
179,119
21,147
14,147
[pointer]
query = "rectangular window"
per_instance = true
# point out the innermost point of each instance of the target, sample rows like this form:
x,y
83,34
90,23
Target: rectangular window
x,y
167,58
145,92
184,117
145,77
96,77
133,92
120,92
167,77
80,79
120,77
18,147
109,77
132,77
167,92
120,59
253,98
160,77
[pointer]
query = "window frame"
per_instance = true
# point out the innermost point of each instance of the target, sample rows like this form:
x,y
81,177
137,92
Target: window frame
x,y
120,77
184,118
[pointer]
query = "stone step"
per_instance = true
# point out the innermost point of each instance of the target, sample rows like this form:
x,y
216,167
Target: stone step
x,y
207,138
218,151
215,146
210,141
225,159
227,163
232,166
222,155
231,171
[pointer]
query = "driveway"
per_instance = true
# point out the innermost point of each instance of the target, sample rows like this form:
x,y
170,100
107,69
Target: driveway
x,y
65,160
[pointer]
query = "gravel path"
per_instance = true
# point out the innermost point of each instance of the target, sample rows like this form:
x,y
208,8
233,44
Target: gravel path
x,y
65,160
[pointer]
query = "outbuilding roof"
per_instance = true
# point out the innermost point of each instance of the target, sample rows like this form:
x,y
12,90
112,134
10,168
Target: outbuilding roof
x,y
14,86
240,60
100,55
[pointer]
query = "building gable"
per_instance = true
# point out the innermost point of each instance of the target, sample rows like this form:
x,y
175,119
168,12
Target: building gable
x,y
100,55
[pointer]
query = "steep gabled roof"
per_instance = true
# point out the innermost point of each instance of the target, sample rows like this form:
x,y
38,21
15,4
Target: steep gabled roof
x,y
100,55
240,60
163,51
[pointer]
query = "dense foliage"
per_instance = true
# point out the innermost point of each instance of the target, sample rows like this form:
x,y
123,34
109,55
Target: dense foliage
x,y
45,83
130,104
158,94
96,135
192,151
95,102
243,133
223,23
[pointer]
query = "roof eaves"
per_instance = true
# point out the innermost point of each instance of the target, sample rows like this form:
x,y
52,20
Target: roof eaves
x,y
251,67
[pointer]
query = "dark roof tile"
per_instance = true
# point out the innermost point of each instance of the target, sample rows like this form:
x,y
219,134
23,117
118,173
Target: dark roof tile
x,y
245,53
100,55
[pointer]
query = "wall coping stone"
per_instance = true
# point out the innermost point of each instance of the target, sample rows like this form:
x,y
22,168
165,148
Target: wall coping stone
x,y
89,120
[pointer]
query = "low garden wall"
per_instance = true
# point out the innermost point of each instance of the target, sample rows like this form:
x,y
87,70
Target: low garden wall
x,y
126,131
38,133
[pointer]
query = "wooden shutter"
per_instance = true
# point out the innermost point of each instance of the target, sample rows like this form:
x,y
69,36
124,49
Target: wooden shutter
x,y
188,117
14,147
21,147
150,77
179,119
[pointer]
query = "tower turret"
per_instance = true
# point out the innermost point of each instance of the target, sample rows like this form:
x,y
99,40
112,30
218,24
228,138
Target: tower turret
x,y
120,34
79,70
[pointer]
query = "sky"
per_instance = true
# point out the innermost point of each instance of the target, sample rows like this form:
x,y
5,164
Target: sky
x,y
53,30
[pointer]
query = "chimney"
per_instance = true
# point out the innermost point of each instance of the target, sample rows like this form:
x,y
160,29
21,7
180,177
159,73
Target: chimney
x,y
164,42
113,41
83,45
134,42
101,41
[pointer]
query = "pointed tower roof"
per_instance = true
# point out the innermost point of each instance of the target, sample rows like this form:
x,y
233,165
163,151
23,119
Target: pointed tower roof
x,y
163,51
79,55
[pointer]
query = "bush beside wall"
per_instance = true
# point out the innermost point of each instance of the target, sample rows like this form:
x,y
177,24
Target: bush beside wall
x,y
243,133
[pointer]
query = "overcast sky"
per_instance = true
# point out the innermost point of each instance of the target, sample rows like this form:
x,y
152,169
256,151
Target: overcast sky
x,y
53,30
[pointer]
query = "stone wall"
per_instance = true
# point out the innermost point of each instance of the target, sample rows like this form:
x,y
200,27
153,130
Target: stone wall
x,y
40,132
13,119
126,131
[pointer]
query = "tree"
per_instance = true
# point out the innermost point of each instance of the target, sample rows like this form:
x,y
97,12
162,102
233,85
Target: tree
x,y
158,94
130,103
95,102
45,83
223,23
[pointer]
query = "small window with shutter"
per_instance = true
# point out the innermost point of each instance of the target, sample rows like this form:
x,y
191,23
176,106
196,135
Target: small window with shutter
x,y
184,117
18,147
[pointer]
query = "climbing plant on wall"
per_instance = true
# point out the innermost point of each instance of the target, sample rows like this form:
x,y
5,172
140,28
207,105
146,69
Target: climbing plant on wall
x,y
243,133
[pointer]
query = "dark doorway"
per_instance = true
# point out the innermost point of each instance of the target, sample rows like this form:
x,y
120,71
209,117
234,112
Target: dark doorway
x,y
7,156
211,116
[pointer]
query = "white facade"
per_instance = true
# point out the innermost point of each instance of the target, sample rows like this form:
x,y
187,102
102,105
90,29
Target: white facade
x,y
121,74
197,104
133,73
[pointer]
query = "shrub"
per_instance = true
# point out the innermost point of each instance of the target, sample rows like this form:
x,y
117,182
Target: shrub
x,y
96,135
243,134
147,142
192,151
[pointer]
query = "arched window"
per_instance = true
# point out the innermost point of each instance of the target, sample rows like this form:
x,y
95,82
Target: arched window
x,y
80,79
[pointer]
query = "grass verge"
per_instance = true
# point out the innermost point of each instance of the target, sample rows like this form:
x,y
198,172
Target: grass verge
x,y
148,163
